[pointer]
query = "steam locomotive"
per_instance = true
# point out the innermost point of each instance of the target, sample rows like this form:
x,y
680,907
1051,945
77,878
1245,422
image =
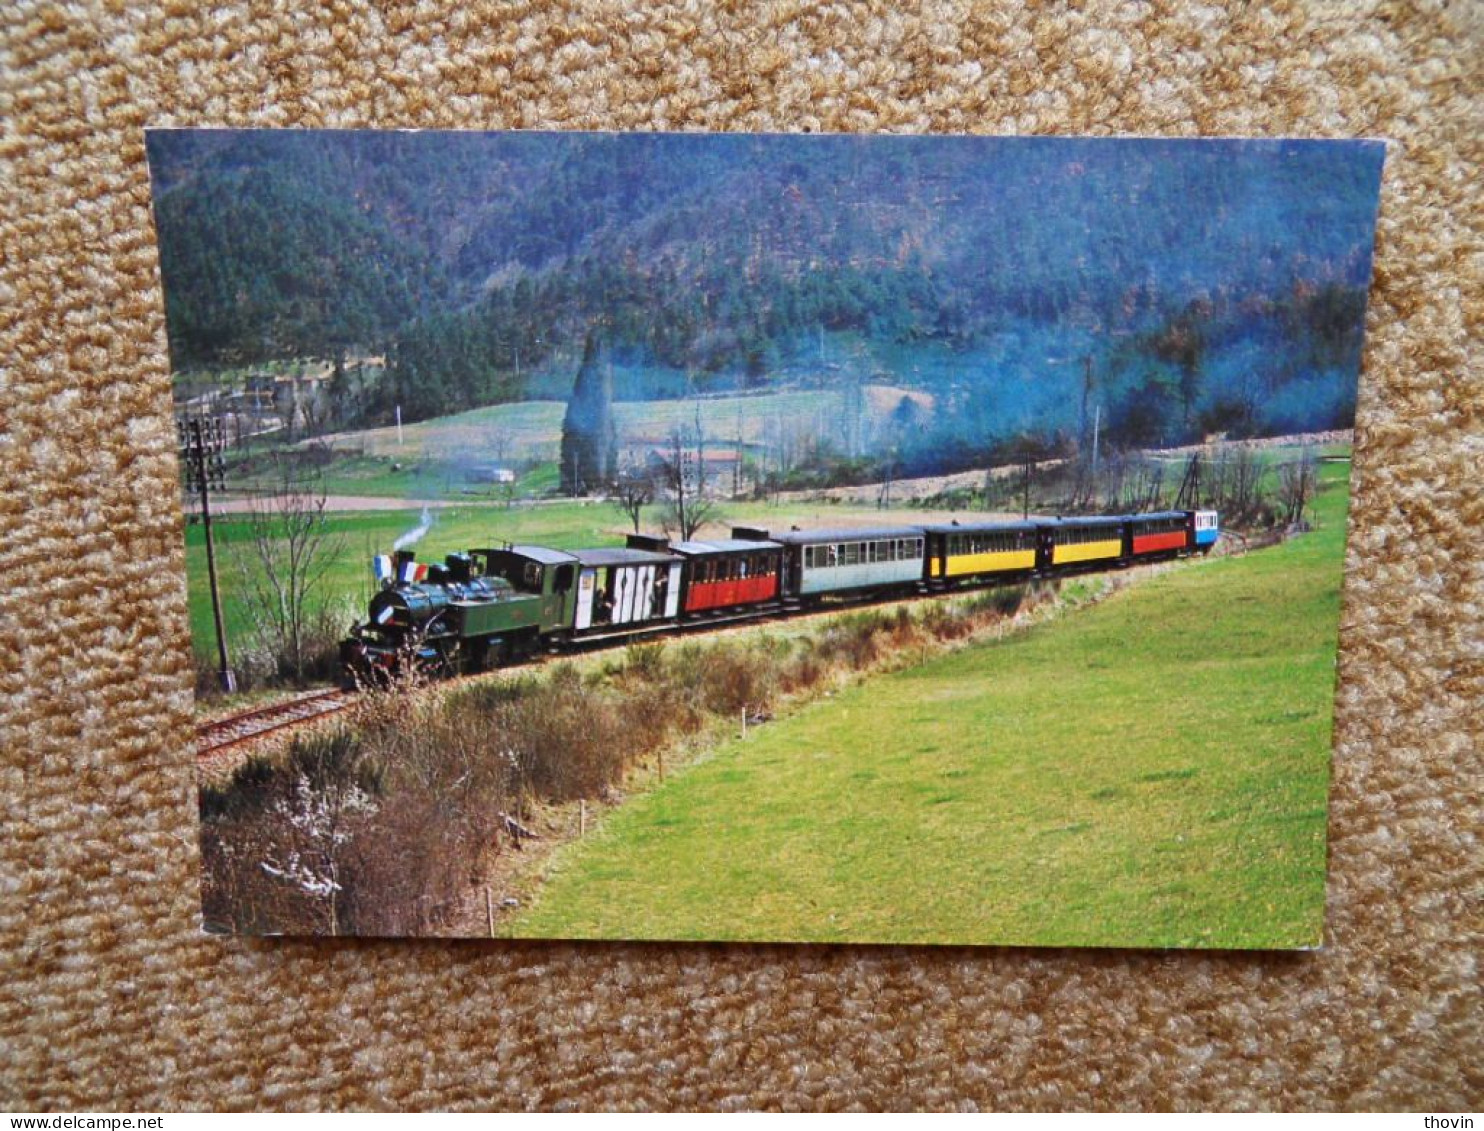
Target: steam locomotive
x,y
489,607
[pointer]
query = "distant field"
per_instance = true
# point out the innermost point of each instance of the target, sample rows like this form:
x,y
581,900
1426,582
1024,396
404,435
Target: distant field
x,y
531,430
1152,771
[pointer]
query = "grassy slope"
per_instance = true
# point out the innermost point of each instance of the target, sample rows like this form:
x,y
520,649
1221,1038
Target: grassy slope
x,y
1149,772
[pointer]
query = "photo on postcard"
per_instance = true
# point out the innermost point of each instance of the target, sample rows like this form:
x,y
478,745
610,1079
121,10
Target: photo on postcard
x,y
787,538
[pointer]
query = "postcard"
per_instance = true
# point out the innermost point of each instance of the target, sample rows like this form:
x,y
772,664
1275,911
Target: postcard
x,y
863,539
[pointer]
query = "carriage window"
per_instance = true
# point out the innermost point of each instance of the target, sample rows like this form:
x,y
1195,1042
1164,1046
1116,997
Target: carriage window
x,y
533,575
563,580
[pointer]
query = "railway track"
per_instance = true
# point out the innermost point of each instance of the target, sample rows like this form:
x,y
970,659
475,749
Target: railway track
x,y
222,734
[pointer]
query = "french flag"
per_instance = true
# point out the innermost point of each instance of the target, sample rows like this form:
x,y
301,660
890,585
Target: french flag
x,y
381,568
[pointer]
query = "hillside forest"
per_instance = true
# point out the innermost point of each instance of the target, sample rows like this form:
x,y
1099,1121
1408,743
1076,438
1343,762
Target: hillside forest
x,y
1176,289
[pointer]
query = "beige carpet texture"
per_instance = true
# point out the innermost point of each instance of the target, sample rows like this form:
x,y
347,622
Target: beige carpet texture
x,y
109,996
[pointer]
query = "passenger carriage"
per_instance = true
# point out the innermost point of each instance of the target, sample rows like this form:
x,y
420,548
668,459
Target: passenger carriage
x,y
819,563
1080,541
722,575
1205,528
958,552
1161,534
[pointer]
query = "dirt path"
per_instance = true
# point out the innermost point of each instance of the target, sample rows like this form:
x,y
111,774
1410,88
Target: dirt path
x,y
230,505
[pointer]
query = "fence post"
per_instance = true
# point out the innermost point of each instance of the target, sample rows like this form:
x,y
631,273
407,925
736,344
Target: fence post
x,y
489,910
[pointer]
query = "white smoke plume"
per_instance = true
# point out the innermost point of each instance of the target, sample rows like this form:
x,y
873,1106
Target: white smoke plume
x,y
416,532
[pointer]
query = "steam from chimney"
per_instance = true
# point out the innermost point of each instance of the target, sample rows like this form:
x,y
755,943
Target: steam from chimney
x,y
416,532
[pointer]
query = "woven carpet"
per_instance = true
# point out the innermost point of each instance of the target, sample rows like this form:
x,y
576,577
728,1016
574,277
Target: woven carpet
x,y
111,999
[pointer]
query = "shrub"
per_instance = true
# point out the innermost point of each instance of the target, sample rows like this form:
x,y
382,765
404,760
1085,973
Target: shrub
x,y
275,845
566,740
644,661
852,640
802,673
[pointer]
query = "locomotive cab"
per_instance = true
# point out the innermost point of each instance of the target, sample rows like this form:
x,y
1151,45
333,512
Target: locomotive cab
x,y
536,571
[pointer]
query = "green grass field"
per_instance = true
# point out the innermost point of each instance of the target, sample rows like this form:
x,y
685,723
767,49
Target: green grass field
x,y
1152,771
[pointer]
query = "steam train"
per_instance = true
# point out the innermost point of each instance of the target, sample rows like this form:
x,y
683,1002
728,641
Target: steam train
x,y
485,608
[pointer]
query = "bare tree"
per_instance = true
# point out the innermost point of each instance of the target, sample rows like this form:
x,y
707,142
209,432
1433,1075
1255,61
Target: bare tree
x,y
1297,480
1028,451
682,480
1246,475
282,567
634,491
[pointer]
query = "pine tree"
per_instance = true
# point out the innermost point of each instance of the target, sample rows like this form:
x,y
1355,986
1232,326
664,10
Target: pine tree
x,y
589,436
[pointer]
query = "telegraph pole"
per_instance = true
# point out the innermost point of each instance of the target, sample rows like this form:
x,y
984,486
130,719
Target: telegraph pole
x,y
202,444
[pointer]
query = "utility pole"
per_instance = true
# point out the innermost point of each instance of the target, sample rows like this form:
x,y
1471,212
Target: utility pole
x,y
1097,419
1190,487
202,443
1086,396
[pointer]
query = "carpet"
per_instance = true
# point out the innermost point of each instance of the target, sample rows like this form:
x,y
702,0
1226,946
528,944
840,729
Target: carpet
x,y
113,1000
